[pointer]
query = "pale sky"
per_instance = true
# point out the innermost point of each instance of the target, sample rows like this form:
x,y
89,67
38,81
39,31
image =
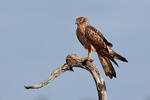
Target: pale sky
x,y
37,35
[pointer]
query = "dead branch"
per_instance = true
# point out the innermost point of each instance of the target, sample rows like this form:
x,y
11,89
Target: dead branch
x,y
74,61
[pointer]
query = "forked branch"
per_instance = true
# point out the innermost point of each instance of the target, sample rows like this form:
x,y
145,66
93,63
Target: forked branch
x,y
74,61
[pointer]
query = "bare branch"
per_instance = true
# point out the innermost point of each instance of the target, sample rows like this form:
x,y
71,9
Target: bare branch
x,y
53,75
75,61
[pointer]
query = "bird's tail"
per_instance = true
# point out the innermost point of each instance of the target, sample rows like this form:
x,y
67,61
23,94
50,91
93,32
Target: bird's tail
x,y
107,66
117,56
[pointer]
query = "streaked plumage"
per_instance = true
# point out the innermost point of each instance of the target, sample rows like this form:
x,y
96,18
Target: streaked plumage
x,y
93,40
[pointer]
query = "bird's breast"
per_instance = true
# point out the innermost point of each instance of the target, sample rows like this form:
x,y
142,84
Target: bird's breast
x,y
81,37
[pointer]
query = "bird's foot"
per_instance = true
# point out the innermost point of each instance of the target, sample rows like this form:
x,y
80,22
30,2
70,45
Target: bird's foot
x,y
89,59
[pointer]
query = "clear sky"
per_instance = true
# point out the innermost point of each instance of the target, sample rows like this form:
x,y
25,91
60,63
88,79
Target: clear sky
x,y
37,35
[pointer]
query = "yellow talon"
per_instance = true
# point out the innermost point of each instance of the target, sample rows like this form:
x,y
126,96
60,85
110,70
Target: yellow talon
x,y
89,59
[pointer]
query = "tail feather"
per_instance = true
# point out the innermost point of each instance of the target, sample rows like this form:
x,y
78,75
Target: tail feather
x,y
119,57
107,66
113,60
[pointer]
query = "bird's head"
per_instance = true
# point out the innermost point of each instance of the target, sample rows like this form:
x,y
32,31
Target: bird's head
x,y
82,21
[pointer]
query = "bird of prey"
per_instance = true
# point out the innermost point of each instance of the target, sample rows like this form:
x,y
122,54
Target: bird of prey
x,y
93,40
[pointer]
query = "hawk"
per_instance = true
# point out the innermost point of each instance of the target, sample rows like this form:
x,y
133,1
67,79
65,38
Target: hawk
x,y
93,40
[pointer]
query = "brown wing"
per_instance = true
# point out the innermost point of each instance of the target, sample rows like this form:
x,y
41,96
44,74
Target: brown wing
x,y
97,40
95,35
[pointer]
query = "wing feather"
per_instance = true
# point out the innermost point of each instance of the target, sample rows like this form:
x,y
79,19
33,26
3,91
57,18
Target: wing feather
x,y
98,41
96,37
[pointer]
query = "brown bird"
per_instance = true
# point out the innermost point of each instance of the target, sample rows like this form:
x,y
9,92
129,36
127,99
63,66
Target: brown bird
x,y
93,40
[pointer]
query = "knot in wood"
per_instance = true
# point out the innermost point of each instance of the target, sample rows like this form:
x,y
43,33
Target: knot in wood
x,y
72,60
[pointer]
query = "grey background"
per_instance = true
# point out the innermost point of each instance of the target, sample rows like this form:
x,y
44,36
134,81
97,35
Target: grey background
x,y
37,35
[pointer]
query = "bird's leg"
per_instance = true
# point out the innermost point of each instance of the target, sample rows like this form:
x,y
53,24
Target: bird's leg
x,y
89,53
89,58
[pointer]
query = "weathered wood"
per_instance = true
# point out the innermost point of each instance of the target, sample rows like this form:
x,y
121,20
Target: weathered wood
x,y
74,61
